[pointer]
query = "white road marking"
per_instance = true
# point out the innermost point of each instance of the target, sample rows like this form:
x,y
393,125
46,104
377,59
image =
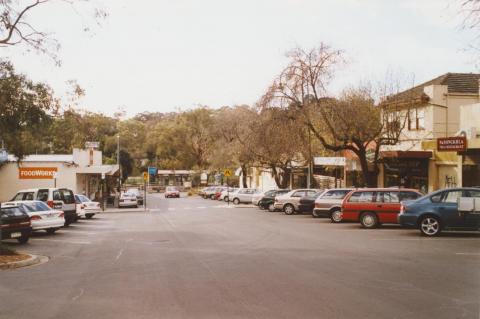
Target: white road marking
x,y
79,295
119,254
63,241
170,209
201,207
468,254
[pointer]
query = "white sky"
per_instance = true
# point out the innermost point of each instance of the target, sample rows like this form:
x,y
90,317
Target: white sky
x,y
168,54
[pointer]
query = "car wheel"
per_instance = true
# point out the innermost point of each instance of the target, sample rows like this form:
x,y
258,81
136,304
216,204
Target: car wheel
x,y
336,216
23,240
289,209
271,207
369,220
430,226
236,201
225,198
50,231
212,197
89,216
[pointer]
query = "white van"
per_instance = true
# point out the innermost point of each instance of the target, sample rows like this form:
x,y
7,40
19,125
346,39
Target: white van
x,y
57,198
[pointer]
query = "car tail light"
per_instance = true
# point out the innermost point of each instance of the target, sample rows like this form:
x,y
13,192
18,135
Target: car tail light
x,y
50,203
317,205
82,206
35,217
402,209
62,214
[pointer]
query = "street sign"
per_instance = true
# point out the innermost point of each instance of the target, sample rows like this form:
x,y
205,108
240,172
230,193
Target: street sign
x,y
227,173
92,145
152,170
145,176
452,144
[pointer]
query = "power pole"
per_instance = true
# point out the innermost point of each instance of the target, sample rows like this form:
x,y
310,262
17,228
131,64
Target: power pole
x,y
118,163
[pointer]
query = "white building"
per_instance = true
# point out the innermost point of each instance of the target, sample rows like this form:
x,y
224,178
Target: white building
x,y
81,171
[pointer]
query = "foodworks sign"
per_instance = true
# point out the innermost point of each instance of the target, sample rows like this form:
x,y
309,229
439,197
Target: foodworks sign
x,y
36,172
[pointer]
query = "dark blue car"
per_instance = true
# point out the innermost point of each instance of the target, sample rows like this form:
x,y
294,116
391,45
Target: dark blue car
x,y
439,210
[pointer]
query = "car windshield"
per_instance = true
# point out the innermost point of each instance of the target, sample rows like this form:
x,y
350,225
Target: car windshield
x,y
84,199
171,189
36,207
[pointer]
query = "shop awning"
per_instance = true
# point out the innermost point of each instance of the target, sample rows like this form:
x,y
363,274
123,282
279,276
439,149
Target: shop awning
x,y
406,154
98,169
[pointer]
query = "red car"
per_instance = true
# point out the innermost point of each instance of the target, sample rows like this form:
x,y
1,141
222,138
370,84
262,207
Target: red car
x,y
374,206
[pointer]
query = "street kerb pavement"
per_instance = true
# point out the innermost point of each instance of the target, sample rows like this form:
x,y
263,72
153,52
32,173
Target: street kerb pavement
x,y
125,210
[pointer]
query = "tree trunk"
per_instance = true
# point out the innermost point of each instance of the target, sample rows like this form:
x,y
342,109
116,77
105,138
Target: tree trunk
x,y
276,176
244,175
369,177
285,178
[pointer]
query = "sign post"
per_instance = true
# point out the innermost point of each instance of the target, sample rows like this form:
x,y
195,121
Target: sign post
x,y
227,173
103,192
145,179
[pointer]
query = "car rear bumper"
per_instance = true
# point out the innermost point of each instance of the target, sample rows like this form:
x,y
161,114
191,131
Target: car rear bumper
x,y
48,223
70,215
7,233
322,213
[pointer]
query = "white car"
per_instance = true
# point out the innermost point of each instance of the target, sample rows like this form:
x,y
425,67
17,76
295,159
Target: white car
x,y
224,195
42,217
243,195
86,207
128,200
172,191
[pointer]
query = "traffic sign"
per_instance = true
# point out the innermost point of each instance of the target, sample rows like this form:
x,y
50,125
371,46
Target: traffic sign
x,y
145,176
227,173
152,170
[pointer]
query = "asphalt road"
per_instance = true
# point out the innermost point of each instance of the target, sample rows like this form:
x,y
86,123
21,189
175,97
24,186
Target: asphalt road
x,y
195,258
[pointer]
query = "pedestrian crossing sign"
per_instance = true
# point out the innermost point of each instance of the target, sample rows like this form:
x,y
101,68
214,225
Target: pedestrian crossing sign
x,y
227,173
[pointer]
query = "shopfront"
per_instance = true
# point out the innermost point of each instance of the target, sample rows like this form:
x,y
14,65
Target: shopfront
x,y
406,169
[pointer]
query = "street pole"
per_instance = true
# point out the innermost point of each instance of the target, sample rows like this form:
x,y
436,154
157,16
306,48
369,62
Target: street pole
x,y
228,193
145,194
119,165
309,159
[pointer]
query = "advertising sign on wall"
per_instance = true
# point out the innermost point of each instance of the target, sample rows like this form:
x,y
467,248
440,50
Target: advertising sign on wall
x,y
452,144
37,172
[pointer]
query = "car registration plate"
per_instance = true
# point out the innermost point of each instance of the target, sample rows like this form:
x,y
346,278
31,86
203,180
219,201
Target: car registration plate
x,y
15,235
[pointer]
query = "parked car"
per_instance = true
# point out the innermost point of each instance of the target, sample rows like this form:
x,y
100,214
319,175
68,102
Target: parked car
x,y
226,193
57,198
218,192
289,202
14,224
172,191
307,203
329,204
127,200
375,206
42,217
268,200
209,192
86,207
243,195
440,210
137,193
257,197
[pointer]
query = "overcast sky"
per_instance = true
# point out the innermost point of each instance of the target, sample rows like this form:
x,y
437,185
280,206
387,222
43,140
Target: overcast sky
x,y
167,54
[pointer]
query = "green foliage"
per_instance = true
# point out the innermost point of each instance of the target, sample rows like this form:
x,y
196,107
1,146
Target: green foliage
x,y
25,111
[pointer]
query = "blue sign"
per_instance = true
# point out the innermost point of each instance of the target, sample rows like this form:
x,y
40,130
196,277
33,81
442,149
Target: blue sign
x,y
152,171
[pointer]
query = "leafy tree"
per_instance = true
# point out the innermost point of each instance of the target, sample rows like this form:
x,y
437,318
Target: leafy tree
x,y
25,109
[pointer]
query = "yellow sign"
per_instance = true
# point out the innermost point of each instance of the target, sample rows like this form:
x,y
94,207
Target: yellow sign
x,y
227,173
145,176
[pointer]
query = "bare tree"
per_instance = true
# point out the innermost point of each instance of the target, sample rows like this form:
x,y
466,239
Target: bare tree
x,y
16,28
352,122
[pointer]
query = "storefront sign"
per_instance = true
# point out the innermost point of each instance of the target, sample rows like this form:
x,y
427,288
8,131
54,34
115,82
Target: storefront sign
x,y
94,145
36,172
329,161
452,144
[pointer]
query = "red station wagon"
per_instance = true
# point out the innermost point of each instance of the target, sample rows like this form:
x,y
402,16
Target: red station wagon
x,y
374,206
